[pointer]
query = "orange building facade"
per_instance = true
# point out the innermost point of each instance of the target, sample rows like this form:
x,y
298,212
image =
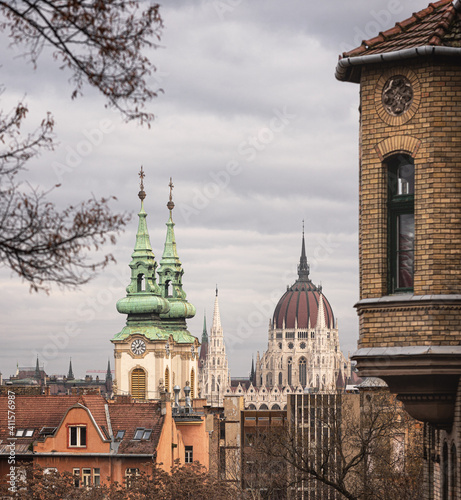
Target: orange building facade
x,y
97,440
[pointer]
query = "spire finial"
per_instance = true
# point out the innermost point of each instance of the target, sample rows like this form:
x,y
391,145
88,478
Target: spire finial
x,y
170,204
141,193
303,266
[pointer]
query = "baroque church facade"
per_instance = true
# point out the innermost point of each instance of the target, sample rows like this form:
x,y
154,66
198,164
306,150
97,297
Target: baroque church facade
x,y
155,351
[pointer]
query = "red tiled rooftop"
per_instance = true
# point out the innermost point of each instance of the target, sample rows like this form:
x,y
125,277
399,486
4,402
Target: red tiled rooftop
x,y
36,412
130,416
439,24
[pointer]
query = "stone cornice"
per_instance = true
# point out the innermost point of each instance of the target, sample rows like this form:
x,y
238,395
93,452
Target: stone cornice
x,y
406,302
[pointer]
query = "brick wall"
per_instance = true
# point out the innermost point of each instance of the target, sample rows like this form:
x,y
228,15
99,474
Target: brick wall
x,y
432,136
430,132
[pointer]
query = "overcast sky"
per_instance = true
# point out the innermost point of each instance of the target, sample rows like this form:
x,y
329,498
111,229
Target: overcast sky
x,y
257,135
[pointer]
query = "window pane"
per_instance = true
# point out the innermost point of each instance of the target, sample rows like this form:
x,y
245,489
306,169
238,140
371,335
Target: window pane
x,y
82,436
405,250
73,436
147,434
138,434
406,179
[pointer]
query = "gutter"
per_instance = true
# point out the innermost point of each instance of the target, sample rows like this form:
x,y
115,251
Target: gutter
x,y
343,67
107,455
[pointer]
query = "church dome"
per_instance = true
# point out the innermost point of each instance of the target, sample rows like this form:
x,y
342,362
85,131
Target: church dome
x,y
300,304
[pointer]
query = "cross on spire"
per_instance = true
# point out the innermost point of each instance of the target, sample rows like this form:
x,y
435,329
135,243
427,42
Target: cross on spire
x,y
170,204
141,193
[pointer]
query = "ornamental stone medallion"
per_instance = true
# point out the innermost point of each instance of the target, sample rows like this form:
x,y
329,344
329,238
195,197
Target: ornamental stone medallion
x,y
397,95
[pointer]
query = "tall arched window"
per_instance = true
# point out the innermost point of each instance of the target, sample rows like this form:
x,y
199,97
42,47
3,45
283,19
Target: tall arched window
x,y
302,372
192,383
138,383
213,384
167,379
401,222
290,371
269,379
280,378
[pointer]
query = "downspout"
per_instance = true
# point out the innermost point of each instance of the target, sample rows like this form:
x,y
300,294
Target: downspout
x,y
111,435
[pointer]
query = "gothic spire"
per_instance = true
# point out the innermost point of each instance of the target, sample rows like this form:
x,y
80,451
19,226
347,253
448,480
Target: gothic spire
x,y
37,370
303,267
216,316
108,373
70,374
204,332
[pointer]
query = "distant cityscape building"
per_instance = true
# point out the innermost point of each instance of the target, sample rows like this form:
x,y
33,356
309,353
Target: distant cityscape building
x,y
303,351
27,377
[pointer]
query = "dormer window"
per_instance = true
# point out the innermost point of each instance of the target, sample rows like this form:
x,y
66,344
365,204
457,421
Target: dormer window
x,y
401,223
77,436
120,435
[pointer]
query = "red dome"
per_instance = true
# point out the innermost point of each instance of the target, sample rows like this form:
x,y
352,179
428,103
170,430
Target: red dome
x,y
301,301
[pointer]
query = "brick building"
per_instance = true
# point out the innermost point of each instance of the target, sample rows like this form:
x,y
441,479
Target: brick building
x,y
410,225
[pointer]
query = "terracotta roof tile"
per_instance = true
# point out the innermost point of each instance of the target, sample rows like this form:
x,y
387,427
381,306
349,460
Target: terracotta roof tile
x,y
438,25
133,415
36,412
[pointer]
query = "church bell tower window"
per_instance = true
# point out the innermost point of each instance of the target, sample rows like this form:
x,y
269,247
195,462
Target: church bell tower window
x,y
138,383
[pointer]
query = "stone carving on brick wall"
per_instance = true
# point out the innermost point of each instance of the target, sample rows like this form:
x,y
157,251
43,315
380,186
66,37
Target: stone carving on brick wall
x,y
397,95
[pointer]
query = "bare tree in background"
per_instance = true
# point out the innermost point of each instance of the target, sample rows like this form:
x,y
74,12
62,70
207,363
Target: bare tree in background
x,y
359,447
189,481
102,44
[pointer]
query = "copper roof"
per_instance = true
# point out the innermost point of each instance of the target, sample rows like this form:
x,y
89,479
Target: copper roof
x,y
300,304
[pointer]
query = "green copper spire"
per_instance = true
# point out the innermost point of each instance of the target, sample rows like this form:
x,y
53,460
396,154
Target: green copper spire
x,y
170,272
143,302
143,264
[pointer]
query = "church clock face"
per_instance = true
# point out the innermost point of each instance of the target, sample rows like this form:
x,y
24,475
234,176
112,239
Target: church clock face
x,y
138,347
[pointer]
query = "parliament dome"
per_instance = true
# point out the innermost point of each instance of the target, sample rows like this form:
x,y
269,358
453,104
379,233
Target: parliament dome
x,y
300,304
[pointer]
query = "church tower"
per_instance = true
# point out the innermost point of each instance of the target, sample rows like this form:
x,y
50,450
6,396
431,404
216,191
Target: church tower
x,y
154,349
215,378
